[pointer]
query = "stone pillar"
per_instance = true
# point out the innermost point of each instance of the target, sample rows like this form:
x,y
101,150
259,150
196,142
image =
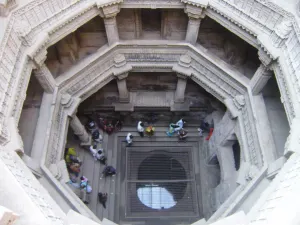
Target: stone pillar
x,y
123,91
79,129
120,70
260,79
262,74
183,70
180,88
41,71
109,13
45,78
195,15
192,30
111,30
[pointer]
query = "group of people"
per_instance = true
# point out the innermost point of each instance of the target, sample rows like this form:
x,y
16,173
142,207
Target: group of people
x,y
149,131
178,128
74,164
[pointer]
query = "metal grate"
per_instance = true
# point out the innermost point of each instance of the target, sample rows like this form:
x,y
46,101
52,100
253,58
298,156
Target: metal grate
x,y
160,183
159,165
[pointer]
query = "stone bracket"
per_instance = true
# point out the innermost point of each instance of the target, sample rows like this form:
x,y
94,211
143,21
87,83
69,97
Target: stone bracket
x,y
70,103
38,53
109,8
183,68
267,53
121,68
195,12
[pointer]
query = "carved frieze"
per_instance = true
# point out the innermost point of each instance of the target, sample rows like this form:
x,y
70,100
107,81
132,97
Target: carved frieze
x,y
31,186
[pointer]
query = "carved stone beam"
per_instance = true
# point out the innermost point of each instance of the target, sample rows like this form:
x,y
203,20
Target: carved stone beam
x,y
38,54
195,15
262,74
183,70
109,10
120,71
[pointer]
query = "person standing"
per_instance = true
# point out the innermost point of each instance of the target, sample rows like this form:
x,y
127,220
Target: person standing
x,y
97,154
129,139
102,199
180,124
140,128
150,131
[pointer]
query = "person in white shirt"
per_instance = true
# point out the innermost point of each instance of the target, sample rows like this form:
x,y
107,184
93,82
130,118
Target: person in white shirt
x,y
97,153
140,128
179,124
129,139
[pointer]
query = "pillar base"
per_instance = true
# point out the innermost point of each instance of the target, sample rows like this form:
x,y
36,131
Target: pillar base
x,y
88,143
124,107
180,106
124,100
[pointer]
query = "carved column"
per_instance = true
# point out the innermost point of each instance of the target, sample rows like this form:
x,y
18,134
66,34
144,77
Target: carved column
x,y
180,88
195,15
120,70
138,23
79,129
111,30
109,13
38,54
262,74
45,78
260,79
183,70
122,88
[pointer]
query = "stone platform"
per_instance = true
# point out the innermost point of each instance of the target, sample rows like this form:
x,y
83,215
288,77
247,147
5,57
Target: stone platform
x,y
205,177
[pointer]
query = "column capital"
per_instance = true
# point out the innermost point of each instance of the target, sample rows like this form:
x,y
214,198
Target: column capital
x,y
121,68
265,59
70,103
38,52
260,79
109,8
194,12
183,68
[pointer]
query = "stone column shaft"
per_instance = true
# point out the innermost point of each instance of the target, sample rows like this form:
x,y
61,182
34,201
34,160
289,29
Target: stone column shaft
x,y
111,30
180,89
192,30
123,91
260,79
79,129
45,78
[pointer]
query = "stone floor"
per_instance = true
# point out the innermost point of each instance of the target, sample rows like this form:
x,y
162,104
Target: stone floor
x,y
205,177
